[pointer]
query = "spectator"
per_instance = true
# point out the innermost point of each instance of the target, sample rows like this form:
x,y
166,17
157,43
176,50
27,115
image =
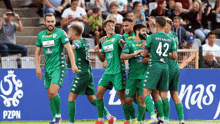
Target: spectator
x,y
82,4
178,11
7,35
151,25
123,6
209,62
139,15
197,18
187,4
114,10
100,4
130,14
214,17
161,9
189,43
75,14
180,31
54,6
215,49
95,24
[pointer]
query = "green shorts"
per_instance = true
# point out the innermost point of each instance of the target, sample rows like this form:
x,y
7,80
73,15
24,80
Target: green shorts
x,y
157,78
55,77
83,84
110,80
133,85
174,75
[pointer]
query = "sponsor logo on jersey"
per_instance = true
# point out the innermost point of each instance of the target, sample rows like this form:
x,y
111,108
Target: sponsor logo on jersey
x,y
66,39
49,43
49,51
109,56
108,48
48,36
130,37
54,35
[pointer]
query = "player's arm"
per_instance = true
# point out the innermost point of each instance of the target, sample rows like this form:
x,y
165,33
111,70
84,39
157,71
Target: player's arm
x,y
173,55
39,72
100,55
125,56
147,47
71,57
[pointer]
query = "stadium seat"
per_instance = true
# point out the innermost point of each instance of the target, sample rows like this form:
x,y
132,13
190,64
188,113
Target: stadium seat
x,y
9,62
27,62
197,43
152,5
91,43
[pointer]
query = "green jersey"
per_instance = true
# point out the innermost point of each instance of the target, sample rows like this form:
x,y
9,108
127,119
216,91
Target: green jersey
x,y
81,55
128,37
173,63
137,70
112,50
159,45
53,46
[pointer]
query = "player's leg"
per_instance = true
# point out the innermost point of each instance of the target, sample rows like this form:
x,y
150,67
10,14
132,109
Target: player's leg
x,y
120,88
163,86
100,103
55,101
158,104
72,107
130,92
174,88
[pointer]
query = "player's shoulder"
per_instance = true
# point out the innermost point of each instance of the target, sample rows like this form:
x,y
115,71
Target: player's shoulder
x,y
42,32
118,36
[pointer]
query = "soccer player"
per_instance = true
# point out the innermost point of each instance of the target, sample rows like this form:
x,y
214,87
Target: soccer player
x,y
114,74
53,40
83,82
174,73
158,45
137,71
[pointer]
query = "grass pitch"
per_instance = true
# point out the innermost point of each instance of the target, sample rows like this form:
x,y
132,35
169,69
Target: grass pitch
x,y
93,122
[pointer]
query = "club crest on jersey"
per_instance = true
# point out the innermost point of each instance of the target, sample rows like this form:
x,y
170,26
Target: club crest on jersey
x,y
54,35
113,39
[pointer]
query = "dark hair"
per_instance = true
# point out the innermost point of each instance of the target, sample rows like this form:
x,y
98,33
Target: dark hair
x,y
74,0
138,27
108,20
127,19
135,4
177,17
159,2
49,15
95,10
78,28
210,33
161,21
8,10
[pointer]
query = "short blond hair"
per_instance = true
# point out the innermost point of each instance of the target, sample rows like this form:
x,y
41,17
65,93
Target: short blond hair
x,y
77,27
48,15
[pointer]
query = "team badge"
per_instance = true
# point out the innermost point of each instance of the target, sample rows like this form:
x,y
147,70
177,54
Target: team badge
x,y
54,35
113,39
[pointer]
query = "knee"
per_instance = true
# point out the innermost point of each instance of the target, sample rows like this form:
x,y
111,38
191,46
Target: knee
x,y
128,101
51,94
50,10
99,95
97,33
163,95
120,94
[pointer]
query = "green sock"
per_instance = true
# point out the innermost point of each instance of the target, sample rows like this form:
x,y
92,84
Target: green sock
x,y
179,109
52,108
126,112
166,109
105,109
143,118
141,111
131,111
149,105
100,107
159,108
72,111
56,100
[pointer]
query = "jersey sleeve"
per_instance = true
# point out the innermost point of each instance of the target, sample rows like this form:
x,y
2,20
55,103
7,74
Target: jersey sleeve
x,y
173,46
64,38
126,49
38,42
148,44
77,44
90,18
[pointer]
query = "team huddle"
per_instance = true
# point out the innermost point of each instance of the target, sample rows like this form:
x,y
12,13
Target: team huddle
x,y
153,69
